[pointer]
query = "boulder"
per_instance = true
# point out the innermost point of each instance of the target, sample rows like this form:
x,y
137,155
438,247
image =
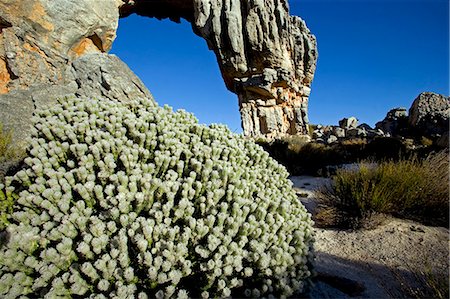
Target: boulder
x,y
331,139
317,134
429,114
339,132
395,121
107,76
356,133
365,126
348,123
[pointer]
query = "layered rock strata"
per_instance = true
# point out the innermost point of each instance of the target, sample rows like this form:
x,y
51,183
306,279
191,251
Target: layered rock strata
x,y
266,56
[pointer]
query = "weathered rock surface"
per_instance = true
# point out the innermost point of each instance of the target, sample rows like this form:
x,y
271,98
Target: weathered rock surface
x,y
106,76
429,114
39,38
266,56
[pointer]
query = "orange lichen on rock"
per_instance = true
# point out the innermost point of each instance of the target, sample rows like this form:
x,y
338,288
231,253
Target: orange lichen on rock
x,y
5,77
38,15
85,46
33,48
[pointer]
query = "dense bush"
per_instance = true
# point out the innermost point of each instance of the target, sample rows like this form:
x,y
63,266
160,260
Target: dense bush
x,y
413,188
130,199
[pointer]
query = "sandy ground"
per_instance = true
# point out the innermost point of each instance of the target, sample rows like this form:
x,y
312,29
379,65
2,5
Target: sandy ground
x,y
392,260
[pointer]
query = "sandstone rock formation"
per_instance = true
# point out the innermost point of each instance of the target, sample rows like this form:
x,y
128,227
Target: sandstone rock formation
x,y
266,56
39,38
50,49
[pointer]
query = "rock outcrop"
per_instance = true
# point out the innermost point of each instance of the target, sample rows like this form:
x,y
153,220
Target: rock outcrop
x,y
92,75
427,122
348,123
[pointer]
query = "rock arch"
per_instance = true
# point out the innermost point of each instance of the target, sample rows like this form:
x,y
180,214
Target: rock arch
x,y
266,56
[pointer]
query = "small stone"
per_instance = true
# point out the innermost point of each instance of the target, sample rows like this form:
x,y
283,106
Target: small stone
x,y
416,229
339,132
332,139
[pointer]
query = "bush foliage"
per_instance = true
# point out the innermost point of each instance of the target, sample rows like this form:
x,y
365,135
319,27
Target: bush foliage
x,y
412,188
121,200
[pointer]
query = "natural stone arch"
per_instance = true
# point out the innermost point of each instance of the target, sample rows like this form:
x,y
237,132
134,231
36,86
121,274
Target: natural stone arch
x,y
266,56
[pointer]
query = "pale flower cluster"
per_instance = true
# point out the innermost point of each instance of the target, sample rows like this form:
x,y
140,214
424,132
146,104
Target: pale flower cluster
x,y
131,200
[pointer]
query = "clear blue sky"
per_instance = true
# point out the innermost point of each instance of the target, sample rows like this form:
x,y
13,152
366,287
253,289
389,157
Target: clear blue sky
x,y
374,55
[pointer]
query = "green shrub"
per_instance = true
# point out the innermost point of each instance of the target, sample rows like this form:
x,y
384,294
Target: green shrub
x,y
8,151
9,154
124,200
5,143
407,188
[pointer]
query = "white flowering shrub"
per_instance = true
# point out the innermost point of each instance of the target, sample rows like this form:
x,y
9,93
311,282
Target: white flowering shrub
x,y
131,200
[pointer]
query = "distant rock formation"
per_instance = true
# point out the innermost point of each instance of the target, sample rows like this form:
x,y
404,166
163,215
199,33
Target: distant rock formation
x,y
429,118
266,56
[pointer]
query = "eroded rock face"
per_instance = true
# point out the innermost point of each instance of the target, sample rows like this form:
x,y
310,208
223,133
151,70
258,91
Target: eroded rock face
x,y
50,49
266,56
395,121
